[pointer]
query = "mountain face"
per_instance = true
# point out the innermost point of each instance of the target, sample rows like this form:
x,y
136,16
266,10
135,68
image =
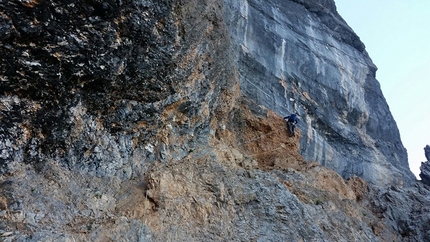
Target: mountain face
x,y
425,166
163,121
303,50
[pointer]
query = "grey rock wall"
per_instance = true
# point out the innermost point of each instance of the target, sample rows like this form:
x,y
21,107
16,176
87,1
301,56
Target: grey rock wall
x,y
404,211
120,121
425,167
303,50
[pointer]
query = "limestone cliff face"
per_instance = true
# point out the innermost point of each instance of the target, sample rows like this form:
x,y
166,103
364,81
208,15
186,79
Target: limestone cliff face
x,y
104,83
162,121
303,50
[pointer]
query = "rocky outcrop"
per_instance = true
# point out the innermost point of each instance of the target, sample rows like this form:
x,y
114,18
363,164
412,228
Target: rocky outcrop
x,y
425,172
305,51
425,167
427,152
148,121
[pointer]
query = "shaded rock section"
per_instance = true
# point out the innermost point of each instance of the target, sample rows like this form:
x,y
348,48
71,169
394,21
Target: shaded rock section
x,y
425,167
109,87
221,192
401,214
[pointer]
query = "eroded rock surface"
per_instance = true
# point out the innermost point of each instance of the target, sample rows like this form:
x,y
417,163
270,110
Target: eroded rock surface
x,y
150,121
303,50
425,167
97,84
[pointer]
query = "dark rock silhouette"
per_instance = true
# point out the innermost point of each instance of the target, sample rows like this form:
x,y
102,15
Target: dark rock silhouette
x,y
427,152
425,167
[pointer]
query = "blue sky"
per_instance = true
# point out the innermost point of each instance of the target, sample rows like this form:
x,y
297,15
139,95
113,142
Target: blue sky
x,y
397,37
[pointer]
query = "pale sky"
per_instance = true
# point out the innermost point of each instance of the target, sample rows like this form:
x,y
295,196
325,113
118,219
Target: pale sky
x,y
396,34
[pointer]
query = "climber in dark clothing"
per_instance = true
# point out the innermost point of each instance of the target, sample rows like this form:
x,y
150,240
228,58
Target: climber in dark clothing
x,y
292,121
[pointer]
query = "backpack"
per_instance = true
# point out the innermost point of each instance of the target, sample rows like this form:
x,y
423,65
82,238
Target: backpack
x,y
292,118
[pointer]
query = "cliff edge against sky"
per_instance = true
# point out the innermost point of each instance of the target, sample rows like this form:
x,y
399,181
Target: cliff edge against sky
x,y
162,121
303,50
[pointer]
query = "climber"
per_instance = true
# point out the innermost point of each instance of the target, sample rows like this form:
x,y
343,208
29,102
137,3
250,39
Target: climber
x,y
292,121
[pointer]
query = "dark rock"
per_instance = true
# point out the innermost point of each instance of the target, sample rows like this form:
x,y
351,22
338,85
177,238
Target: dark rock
x,y
404,212
427,152
425,172
73,67
425,167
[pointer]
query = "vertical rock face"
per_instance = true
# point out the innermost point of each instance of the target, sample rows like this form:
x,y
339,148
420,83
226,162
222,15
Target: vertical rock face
x,y
425,167
427,152
161,120
303,50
